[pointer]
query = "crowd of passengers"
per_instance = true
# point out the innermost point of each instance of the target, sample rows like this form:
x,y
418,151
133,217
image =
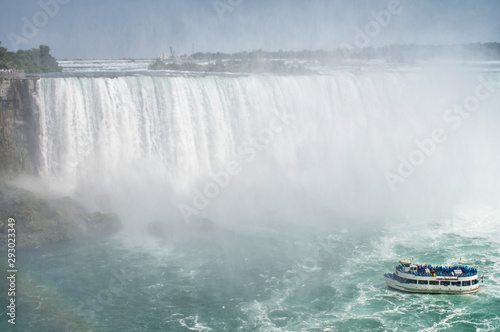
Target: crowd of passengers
x,y
441,270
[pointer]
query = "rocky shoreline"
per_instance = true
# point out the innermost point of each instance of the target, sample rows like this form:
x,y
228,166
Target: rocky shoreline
x,y
41,221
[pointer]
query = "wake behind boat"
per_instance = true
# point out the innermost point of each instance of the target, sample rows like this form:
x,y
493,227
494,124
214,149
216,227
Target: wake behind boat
x,y
414,278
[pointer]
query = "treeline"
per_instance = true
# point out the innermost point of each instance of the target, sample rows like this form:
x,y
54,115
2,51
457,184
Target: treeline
x,y
412,52
36,60
394,53
259,61
261,55
234,66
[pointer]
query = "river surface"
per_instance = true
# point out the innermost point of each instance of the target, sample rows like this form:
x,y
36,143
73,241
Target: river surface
x,y
265,202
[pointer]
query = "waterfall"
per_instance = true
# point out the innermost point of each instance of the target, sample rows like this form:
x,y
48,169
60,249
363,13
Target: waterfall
x,y
322,142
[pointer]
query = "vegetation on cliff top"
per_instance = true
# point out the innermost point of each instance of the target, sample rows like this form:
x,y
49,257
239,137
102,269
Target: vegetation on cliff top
x,y
389,53
259,61
36,60
234,66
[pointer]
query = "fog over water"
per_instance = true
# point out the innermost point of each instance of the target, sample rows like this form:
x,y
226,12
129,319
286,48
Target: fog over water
x,y
257,201
310,220
361,144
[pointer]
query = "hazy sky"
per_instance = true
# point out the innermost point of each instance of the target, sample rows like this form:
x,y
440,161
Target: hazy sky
x,y
126,28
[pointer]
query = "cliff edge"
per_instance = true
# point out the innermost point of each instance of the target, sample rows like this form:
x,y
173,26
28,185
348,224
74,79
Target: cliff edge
x,y
18,127
39,220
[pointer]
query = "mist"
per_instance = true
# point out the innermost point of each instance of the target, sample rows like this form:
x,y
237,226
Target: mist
x,y
234,165
306,150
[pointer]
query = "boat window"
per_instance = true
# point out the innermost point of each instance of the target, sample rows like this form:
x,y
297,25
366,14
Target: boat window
x,y
423,282
445,283
455,283
433,282
466,283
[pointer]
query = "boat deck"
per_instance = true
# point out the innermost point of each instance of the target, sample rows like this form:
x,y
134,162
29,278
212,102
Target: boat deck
x,y
439,270
414,278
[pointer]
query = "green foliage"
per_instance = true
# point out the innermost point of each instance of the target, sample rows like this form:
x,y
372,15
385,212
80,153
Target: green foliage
x,y
184,66
408,53
254,65
36,60
157,65
4,57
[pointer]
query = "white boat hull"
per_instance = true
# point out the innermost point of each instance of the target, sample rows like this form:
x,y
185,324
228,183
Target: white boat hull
x,y
430,289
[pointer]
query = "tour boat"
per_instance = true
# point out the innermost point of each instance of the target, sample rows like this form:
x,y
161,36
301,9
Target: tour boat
x,y
414,278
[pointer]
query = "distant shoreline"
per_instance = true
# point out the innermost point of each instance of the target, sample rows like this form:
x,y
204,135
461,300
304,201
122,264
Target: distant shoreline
x,y
398,52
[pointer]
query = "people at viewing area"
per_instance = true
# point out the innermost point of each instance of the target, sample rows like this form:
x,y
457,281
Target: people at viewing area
x,y
12,70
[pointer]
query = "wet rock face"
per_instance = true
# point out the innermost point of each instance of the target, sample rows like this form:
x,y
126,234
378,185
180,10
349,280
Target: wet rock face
x,y
42,221
18,129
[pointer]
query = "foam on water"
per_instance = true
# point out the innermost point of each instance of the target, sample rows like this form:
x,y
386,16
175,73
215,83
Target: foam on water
x,y
332,281
303,235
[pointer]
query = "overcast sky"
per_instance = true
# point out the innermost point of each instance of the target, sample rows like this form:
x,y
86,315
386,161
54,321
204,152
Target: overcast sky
x,y
127,28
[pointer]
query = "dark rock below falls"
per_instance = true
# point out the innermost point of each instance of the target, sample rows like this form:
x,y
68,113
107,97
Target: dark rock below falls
x,y
42,221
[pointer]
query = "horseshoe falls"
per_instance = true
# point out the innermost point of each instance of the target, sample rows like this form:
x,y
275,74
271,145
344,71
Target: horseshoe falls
x,y
269,202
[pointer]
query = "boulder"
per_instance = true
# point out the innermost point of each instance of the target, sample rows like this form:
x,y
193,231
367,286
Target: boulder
x,y
42,221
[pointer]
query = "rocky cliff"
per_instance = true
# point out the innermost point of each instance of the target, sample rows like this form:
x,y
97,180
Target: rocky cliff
x,y
17,126
39,220
47,220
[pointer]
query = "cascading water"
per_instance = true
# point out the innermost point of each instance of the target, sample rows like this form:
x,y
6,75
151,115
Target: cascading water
x,y
316,185
325,142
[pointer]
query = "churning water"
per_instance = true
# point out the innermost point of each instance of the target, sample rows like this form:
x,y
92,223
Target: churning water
x,y
315,186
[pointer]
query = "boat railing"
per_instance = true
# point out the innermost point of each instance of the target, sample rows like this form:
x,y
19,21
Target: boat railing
x,y
441,271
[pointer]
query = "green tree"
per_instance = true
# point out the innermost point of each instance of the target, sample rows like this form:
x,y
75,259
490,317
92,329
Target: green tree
x,y
3,57
36,60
